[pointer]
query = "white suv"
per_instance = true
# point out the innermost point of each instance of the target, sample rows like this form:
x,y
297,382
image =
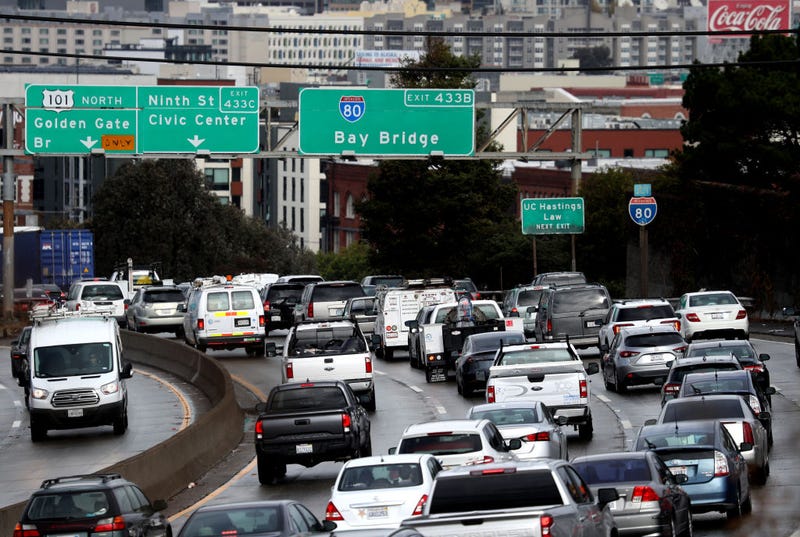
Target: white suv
x,y
458,442
640,312
98,296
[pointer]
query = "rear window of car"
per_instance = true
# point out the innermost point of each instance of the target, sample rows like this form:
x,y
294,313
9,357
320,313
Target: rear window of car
x,y
159,296
659,339
702,409
495,491
63,505
645,313
276,294
319,398
378,476
529,298
681,438
579,300
535,356
691,386
677,374
613,470
442,444
490,344
740,351
508,416
336,293
716,299
107,292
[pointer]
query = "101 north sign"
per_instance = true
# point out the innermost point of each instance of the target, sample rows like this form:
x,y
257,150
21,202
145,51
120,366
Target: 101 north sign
x,y
63,120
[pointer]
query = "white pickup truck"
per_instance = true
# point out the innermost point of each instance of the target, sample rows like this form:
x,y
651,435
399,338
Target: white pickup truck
x,y
440,338
537,498
552,373
335,350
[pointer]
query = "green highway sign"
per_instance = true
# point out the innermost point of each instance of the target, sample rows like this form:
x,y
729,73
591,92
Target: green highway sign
x,y
420,122
141,119
547,216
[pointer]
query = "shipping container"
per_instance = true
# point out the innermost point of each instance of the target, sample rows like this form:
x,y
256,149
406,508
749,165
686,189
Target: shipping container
x,y
58,256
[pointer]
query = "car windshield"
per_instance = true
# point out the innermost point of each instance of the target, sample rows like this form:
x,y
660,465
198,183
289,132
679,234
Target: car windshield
x,y
71,360
482,344
656,339
442,443
529,298
307,398
740,351
645,313
156,296
535,356
380,476
675,438
336,293
234,521
604,471
702,409
102,292
509,416
715,299
61,505
579,300
676,374
288,294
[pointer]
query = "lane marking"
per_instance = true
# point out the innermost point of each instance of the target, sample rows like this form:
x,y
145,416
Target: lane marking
x,y
187,410
414,388
603,398
255,390
626,424
16,424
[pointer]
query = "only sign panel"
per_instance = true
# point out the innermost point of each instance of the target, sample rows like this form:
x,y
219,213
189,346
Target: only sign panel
x,y
642,210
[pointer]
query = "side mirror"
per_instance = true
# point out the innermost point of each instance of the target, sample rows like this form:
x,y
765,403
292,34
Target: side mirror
x,y
160,505
261,407
592,368
764,416
681,478
660,381
788,312
328,525
413,324
375,341
770,391
763,357
651,421
532,309
513,313
745,446
562,419
678,315
603,347
606,495
127,301
392,450
127,371
270,348
182,308
513,444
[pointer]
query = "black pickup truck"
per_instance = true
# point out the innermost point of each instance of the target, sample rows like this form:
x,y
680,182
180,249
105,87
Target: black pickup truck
x,y
308,423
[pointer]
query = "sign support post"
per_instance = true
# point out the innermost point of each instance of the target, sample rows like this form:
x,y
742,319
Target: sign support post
x,y
642,209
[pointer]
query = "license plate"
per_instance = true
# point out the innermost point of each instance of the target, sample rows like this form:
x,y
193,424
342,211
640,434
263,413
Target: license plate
x,y
75,413
335,312
717,316
617,505
276,317
679,470
304,448
592,324
377,512
241,322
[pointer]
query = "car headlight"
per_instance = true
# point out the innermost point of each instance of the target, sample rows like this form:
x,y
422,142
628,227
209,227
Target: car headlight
x,y
38,393
111,387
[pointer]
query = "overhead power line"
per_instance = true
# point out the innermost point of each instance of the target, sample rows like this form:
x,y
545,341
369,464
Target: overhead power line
x,y
409,33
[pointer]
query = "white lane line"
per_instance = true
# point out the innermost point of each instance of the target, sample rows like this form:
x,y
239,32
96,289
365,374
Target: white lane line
x,y
414,388
17,403
603,398
626,424
16,424
440,409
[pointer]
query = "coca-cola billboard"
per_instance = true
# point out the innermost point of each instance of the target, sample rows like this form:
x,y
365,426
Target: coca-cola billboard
x,y
730,15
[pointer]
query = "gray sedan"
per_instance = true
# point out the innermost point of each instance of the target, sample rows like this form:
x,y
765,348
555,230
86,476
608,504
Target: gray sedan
x,y
640,355
155,309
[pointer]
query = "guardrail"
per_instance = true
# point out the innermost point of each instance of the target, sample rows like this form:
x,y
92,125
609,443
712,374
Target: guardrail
x,y
164,470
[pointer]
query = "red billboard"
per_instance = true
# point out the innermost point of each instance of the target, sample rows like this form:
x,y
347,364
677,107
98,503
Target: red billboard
x,y
729,15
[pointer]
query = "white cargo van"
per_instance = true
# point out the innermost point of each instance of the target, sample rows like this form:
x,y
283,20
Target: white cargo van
x,y
76,374
223,315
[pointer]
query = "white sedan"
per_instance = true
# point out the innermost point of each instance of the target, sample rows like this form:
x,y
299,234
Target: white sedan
x,y
710,314
531,422
381,491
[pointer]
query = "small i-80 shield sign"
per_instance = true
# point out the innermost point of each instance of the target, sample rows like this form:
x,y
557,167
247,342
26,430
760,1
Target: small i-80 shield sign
x,y
352,107
642,210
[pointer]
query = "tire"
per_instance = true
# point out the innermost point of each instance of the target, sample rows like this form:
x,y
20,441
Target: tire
x,y
619,385
428,375
735,511
250,351
459,386
201,348
38,431
371,403
586,430
266,471
762,474
747,506
120,424
367,450
688,531
673,526
609,387
388,353
797,352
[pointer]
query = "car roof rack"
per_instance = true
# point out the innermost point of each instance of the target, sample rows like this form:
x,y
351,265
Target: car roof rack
x,y
52,313
103,478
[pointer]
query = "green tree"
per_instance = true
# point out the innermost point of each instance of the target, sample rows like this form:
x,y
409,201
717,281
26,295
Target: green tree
x,y
162,211
352,263
439,217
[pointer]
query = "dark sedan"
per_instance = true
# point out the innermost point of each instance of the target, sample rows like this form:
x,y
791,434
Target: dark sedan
x,y
277,518
477,355
742,349
651,499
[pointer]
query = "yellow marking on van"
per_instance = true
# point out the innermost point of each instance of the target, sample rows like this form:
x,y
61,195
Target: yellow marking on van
x,y
229,334
231,313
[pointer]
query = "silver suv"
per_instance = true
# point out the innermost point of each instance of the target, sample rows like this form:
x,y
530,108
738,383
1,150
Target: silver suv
x,y
573,312
627,313
324,301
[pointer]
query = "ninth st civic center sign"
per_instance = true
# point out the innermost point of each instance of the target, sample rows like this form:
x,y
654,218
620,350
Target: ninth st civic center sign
x,y
548,216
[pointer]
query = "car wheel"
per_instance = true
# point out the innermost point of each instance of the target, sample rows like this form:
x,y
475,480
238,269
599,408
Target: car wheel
x,y
428,374
736,510
371,404
367,451
266,471
747,506
688,531
797,352
38,431
609,387
673,527
586,430
388,353
762,474
619,384
201,348
120,424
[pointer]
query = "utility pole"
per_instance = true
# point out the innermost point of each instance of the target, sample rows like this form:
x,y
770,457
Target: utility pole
x,y
577,133
9,186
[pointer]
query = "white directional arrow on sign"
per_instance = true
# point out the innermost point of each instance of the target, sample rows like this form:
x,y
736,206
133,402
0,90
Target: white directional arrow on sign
x,y
88,142
196,141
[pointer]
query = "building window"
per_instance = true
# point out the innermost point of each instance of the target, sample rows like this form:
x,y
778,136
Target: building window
x,y
217,178
335,204
294,223
302,220
284,216
627,153
294,185
656,153
349,207
302,187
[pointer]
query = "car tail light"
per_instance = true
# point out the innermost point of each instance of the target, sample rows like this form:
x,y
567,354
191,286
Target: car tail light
x,y
485,460
549,326
490,394
628,354
675,324
692,318
618,327
332,513
546,524
514,310
266,305
367,364
26,530
747,433
671,388
109,524
720,464
289,371
680,349
346,422
584,388
742,314
644,494
755,404
77,307
420,505
477,296
755,368
543,436
261,320
259,430
310,310
201,324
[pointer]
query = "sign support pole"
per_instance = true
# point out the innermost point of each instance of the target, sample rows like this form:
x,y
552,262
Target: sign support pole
x,y
577,130
643,260
8,213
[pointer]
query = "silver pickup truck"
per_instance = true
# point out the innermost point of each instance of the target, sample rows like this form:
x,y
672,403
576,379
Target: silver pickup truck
x,y
539,498
552,373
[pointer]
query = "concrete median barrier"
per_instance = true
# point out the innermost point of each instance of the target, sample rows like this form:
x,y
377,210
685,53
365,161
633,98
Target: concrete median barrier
x,y
165,469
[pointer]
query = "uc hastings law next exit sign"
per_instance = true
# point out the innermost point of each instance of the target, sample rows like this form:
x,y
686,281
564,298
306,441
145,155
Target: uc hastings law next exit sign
x,y
72,119
546,216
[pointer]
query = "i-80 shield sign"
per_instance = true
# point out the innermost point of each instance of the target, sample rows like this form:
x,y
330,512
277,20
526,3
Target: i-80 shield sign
x,y
642,210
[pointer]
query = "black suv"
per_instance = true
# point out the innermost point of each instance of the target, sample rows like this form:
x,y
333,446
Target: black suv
x,y
92,504
573,312
279,301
